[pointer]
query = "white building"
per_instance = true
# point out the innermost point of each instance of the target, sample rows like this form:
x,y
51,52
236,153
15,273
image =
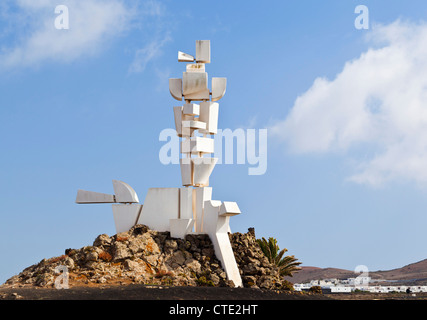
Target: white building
x,y
352,284
341,289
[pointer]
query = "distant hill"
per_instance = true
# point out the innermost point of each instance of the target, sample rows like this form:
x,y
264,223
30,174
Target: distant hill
x,y
414,271
306,274
414,274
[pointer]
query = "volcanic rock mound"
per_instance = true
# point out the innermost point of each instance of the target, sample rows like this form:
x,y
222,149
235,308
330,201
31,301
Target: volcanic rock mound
x,y
148,257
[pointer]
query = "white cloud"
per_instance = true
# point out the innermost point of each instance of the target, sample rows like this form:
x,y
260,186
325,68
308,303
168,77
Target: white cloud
x,y
92,24
378,101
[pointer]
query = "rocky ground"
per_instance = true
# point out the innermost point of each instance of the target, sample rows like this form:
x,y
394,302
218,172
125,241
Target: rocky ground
x,y
151,260
147,292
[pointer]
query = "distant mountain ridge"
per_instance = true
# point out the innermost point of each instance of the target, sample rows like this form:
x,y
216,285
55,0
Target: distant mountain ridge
x,y
414,274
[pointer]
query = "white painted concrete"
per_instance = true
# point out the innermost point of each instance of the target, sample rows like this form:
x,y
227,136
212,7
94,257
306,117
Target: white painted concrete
x,y
88,197
209,114
203,168
203,51
200,195
197,145
179,228
193,124
191,109
125,216
178,120
217,228
194,82
124,193
186,171
160,205
175,88
229,209
219,86
184,57
186,203
198,96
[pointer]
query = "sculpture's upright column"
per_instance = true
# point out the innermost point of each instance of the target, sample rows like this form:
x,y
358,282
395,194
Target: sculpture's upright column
x,y
195,124
192,118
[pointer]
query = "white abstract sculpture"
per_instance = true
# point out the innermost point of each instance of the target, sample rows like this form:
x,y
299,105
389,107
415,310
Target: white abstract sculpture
x,y
182,210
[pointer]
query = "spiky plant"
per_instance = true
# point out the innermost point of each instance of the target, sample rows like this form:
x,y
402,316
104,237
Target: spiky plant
x,y
287,265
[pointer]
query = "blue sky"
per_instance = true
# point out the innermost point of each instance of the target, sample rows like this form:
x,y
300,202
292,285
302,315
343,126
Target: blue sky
x,y
344,108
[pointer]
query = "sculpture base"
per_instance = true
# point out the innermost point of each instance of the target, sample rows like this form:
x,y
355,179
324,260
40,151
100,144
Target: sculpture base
x,y
183,211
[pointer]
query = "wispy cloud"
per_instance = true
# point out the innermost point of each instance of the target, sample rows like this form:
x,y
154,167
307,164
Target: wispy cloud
x,y
148,53
152,8
378,101
92,24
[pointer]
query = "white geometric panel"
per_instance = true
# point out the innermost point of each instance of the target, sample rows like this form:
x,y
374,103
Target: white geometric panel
x,y
125,216
202,170
191,109
178,120
161,205
203,95
193,124
203,51
186,171
175,88
200,195
124,193
209,114
180,227
197,145
229,209
217,228
194,82
219,85
210,216
185,57
88,197
186,203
